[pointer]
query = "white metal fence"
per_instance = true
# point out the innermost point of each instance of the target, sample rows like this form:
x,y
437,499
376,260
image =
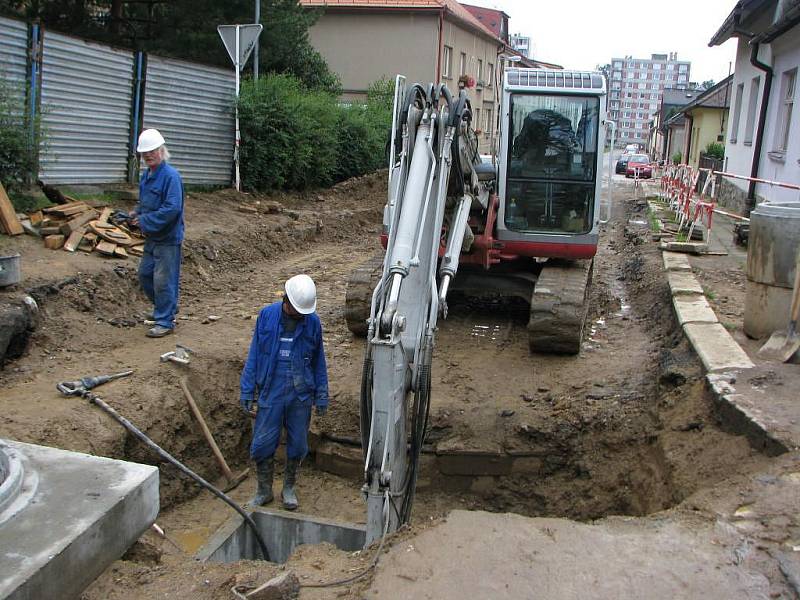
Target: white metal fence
x,y
92,106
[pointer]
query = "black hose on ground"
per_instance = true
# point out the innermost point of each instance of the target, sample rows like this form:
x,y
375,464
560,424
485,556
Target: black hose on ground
x,y
84,393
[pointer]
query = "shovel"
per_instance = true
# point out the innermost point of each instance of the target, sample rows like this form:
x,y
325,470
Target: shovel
x,y
782,346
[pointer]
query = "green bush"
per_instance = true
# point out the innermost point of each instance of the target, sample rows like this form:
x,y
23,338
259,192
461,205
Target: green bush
x,y
676,158
17,159
296,138
715,150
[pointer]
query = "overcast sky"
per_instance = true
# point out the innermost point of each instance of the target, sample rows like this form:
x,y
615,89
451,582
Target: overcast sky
x,y
580,34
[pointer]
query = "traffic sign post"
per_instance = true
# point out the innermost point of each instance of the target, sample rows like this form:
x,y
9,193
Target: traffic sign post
x,y
239,41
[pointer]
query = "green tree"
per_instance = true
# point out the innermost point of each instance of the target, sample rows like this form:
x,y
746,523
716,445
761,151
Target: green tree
x,y
17,158
707,84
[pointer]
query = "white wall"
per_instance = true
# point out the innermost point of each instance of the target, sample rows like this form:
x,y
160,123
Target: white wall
x,y
773,166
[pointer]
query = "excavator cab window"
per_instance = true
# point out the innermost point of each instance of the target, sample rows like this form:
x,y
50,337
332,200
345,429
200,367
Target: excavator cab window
x,y
552,166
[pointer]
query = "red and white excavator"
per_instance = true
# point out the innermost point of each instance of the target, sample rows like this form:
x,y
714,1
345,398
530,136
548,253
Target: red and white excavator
x,y
525,224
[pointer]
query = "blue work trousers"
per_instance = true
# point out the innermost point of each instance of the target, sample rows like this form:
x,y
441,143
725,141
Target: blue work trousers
x,y
294,415
159,276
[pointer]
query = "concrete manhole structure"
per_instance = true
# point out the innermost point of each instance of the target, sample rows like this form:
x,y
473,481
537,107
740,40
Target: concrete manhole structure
x,y
65,516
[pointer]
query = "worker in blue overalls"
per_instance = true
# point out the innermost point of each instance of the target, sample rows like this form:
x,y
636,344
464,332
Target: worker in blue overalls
x,y
159,214
286,373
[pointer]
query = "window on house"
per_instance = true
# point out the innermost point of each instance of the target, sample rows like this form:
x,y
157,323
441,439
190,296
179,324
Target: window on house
x,y
476,122
683,68
737,112
487,128
447,59
657,67
670,67
752,103
462,64
489,74
788,86
479,74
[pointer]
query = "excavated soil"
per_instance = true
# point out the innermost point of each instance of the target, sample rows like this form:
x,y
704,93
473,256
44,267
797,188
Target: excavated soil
x,y
624,428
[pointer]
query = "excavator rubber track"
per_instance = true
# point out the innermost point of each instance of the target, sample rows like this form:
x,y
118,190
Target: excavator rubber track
x,y
358,296
559,307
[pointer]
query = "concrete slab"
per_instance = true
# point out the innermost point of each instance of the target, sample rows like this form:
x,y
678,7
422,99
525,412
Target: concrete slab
x,y
690,247
674,261
504,556
716,348
693,309
84,512
683,283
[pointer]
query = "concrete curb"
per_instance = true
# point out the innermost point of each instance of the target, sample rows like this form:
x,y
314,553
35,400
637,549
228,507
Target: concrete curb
x,y
723,359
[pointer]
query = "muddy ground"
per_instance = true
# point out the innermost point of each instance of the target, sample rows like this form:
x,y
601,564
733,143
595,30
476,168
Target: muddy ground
x,y
625,428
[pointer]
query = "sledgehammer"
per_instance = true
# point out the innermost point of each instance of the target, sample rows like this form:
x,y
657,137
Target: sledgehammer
x,y
226,471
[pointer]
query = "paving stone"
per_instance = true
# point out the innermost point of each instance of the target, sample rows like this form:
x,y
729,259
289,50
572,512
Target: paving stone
x,y
693,309
683,283
675,261
716,348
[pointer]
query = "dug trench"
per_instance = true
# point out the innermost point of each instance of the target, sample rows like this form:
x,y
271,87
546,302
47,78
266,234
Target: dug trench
x,y
625,428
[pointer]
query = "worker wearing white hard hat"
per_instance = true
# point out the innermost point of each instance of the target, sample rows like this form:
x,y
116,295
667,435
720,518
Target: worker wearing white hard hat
x,y
159,215
286,374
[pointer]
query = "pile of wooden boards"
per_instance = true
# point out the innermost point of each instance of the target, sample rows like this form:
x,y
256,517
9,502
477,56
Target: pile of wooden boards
x,y
78,226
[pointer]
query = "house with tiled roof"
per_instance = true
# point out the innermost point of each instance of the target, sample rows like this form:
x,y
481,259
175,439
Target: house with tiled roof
x,y
425,40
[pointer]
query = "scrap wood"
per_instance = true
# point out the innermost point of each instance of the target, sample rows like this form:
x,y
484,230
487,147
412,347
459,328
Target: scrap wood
x,y
54,242
112,234
106,248
78,222
137,250
36,218
8,216
50,230
119,252
74,240
105,214
62,207
30,229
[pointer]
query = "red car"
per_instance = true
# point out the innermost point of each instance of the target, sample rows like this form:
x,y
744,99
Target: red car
x,y
640,163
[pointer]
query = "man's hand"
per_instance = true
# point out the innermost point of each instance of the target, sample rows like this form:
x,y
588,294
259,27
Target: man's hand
x,y
247,408
321,410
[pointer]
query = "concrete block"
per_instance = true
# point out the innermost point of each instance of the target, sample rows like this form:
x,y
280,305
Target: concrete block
x,y
675,261
690,247
683,283
473,464
716,348
693,309
339,459
83,514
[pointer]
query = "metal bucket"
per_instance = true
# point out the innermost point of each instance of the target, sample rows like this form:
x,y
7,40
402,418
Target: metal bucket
x,y
9,270
771,256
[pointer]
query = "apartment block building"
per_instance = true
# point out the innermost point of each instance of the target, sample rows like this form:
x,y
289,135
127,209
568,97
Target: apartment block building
x,y
636,86
521,44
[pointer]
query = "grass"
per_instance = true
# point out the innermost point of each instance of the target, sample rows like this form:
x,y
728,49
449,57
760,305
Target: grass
x,y
681,237
653,219
709,293
27,202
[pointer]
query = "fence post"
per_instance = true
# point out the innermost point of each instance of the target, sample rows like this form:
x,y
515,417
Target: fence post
x,y
137,109
34,95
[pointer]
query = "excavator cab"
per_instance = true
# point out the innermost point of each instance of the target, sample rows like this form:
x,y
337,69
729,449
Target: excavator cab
x,y
550,159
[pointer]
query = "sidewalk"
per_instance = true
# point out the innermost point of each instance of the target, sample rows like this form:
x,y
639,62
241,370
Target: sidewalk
x,y
754,397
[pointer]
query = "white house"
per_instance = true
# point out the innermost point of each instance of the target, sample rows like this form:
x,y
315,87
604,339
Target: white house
x,y
763,137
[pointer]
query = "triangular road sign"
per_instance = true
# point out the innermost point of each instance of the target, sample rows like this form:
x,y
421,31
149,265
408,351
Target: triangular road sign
x,y
248,35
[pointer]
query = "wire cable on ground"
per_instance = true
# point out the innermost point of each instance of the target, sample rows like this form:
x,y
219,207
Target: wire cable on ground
x,y
93,398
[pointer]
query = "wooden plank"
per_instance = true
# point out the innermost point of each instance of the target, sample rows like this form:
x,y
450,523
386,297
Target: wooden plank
x,y
54,242
36,218
78,222
119,252
86,245
60,207
105,214
106,248
69,212
30,229
74,240
90,236
50,230
8,216
136,250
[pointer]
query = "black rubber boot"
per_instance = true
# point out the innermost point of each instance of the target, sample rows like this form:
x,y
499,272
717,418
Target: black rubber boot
x,y
288,494
264,493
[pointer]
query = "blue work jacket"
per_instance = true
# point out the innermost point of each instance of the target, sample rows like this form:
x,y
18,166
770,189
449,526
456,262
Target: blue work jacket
x,y
308,357
160,207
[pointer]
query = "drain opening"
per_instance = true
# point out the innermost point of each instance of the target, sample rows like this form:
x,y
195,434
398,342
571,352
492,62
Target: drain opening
x,y
282,533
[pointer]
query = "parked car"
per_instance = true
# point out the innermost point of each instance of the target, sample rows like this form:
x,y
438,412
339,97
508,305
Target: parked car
x,y
640,163
631,148
622,164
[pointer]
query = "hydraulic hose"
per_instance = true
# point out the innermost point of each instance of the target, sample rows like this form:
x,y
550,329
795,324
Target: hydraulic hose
x,y
94,399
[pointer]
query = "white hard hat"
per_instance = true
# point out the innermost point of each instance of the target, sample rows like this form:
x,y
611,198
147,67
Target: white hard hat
x,y
150,139
302,294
